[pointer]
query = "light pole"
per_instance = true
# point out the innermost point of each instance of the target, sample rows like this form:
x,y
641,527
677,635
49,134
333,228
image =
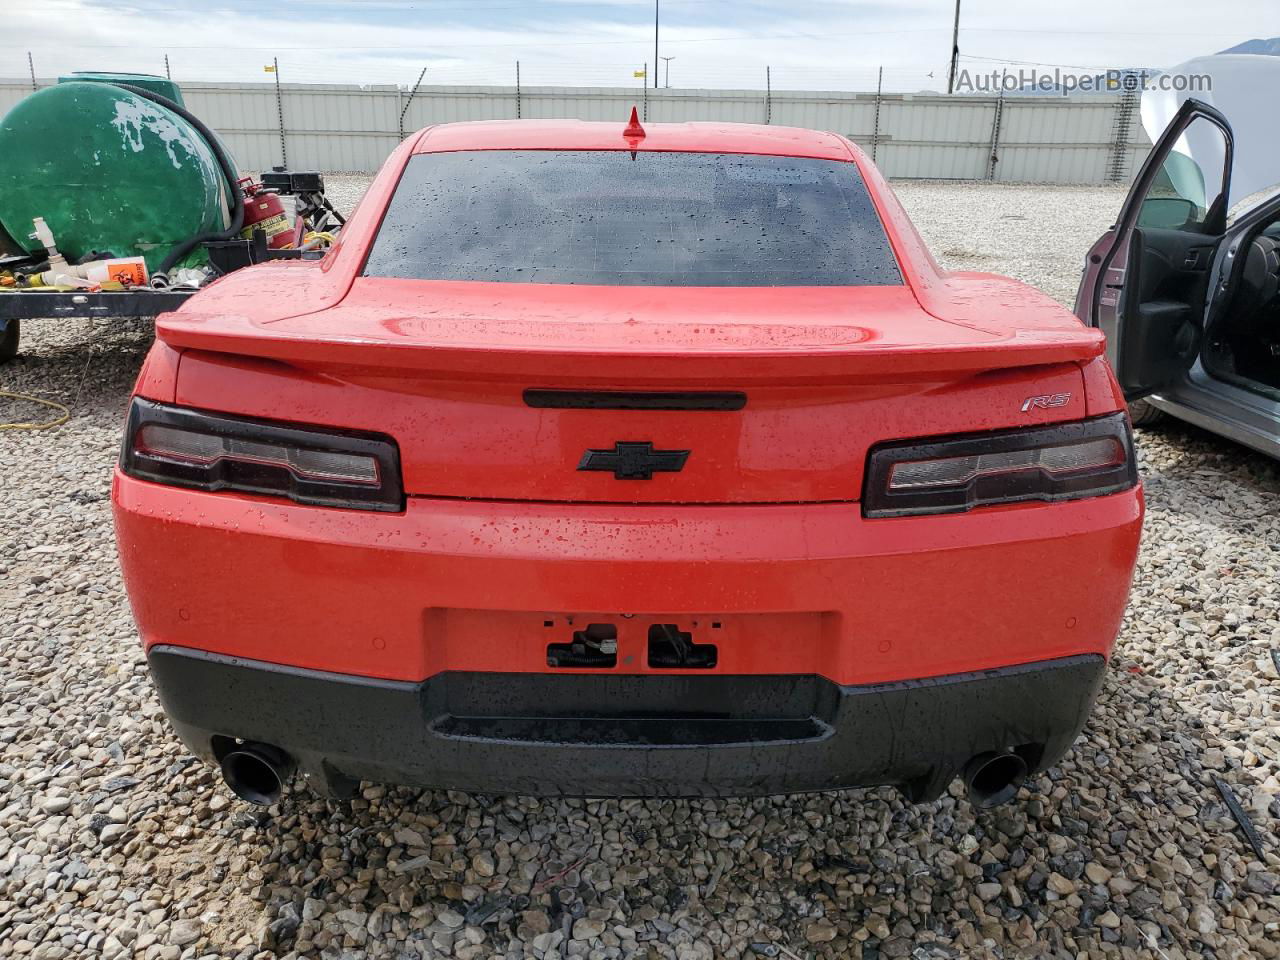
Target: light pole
x,y
655,44
668,60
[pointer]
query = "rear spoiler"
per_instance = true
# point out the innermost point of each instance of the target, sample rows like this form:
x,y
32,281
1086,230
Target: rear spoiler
x,y
834,363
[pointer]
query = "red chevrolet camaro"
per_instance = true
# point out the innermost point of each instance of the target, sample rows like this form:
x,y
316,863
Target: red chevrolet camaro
x,y
602,460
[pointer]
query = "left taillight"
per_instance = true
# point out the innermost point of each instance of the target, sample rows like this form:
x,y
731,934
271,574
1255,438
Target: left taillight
x,y
212,451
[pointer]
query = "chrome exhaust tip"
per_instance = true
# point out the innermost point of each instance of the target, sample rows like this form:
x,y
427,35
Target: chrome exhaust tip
x,y
993,778
256,772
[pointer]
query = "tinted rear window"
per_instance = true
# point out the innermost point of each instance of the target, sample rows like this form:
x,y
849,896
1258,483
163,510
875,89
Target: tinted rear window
x,y
655,219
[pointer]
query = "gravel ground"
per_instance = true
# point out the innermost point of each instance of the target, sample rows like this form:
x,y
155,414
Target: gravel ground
x,y
114,843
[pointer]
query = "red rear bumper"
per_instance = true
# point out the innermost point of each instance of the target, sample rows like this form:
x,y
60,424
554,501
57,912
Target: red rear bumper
x,y
454,585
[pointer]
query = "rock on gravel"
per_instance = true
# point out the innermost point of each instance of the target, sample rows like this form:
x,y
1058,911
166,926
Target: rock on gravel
x,y
1125,849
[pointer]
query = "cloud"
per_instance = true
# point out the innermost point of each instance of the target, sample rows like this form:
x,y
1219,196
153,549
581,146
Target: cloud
x,y
715,43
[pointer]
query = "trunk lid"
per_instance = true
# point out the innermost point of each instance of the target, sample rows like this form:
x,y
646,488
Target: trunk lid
x,y
504,391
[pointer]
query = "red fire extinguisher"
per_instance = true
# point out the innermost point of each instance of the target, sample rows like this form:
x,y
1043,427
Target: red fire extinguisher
x,y
265,211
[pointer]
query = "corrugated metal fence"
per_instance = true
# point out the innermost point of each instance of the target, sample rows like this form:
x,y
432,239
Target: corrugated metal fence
x,y
1091,139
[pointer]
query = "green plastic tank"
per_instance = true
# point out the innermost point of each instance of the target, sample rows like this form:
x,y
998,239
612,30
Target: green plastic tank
x,y
161,85
109,171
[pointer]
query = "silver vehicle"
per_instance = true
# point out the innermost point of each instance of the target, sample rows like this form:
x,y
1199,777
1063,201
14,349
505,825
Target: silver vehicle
x,y
1186,285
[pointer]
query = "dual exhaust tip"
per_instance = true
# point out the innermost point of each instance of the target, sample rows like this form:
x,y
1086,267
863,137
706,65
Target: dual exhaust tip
x,y
257,773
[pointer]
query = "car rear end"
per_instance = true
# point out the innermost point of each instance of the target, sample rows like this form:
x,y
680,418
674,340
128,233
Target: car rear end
x,y
668,469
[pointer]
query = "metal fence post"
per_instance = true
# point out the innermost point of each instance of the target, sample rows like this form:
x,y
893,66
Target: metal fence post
x,y
284,151
412,93
875,129
1117,169
992,158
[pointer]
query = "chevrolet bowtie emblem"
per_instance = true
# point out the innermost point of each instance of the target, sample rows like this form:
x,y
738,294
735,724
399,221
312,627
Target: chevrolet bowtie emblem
x,y
634,461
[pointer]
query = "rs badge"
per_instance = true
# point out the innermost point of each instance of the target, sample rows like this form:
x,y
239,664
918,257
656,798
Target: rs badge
x,y
1046,402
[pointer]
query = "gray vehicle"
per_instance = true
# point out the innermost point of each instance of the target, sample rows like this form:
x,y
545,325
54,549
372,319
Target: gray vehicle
x,y
1186,285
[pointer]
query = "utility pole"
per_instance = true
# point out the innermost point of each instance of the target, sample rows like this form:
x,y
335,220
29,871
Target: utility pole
x,y
167,74
31,65
955,51
655,44
668,61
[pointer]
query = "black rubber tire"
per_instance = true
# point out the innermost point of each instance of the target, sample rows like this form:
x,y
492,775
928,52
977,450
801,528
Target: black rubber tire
x,y
9,341
1144,414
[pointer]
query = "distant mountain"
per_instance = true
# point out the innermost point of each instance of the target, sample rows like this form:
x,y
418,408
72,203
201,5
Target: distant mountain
x,y
1270,48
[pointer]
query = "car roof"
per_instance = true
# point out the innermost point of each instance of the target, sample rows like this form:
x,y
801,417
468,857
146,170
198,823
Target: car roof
x,y
594,135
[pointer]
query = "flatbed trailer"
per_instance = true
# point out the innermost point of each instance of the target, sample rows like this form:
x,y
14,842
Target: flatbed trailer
x,y
30,304
225,256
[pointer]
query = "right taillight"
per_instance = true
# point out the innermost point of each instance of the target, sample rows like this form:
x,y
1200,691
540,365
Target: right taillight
x,y
1085,458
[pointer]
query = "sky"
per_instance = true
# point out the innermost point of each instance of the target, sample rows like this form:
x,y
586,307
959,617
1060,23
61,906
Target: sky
x,y
828,44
